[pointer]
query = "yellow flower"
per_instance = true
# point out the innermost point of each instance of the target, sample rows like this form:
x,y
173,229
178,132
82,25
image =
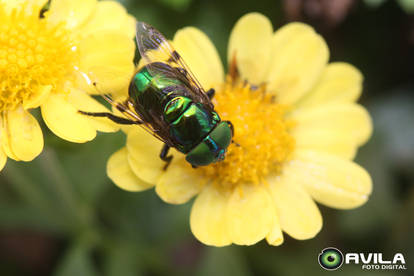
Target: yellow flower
x,y
49,61
297,128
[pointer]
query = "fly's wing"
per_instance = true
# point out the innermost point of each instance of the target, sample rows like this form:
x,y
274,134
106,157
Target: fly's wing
x,y
156,126
154,48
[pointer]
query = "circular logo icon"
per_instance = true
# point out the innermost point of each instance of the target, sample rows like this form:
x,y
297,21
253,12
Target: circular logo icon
x,y
331,258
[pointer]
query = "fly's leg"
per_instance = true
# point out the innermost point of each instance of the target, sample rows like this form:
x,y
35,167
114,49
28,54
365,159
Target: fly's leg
x,y
112,117
164,157
123,107
210,93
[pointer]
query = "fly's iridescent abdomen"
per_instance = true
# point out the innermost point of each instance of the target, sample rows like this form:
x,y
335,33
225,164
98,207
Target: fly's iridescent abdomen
x,y
189,122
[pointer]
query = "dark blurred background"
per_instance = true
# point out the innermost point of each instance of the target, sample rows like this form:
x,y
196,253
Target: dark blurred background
x,y
61,215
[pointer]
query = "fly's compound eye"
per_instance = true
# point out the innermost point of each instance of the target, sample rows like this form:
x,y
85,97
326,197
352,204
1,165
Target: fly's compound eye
x,y
331,258
231,127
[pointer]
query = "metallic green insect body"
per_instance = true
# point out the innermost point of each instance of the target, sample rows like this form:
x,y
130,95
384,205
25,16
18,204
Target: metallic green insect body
x,y
193,128
167,100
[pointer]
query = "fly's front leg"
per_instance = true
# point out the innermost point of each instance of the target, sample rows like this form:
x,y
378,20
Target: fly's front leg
x,y
210,93
110,116
164,157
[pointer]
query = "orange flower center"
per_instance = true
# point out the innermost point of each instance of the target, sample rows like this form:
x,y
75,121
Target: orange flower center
x,y
32,55
261,140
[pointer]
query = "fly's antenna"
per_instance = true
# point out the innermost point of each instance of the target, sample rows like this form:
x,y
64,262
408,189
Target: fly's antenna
x,y
235,143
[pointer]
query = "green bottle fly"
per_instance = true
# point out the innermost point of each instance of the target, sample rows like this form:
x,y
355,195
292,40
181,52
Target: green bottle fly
x,y
193,128
167,100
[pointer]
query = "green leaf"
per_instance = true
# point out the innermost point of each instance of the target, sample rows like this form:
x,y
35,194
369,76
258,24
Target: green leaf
x,y
76,261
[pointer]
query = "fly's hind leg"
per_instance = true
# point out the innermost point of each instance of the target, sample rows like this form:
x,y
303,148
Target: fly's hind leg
x,y
164,157
210,93
112,117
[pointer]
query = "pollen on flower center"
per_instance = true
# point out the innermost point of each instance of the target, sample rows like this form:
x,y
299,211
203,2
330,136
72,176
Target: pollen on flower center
x,y
32,55
262,141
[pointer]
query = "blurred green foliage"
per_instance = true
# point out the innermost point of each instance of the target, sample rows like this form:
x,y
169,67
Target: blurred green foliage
x,y
61,215
407,5
179,5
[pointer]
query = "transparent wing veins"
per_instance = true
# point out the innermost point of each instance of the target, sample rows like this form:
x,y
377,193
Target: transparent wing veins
x,y
154,47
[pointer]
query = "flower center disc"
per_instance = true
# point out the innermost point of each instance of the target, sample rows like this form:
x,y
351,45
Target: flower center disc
x,y
32,55
261,140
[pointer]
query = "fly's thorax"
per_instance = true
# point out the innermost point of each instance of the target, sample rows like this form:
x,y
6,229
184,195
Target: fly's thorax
x,y
175,108
151,93
145,85
213,147
141,80
145,78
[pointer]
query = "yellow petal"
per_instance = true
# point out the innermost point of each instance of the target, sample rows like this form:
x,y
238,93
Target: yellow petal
x,y
29,6
340,83
120,173
200,55
339,143
82,101
109,80
351,119
72,12
330,180
63,119
143,155
208,217
299,216
250,43
3,158
250,214
36,3
275,237
22,134
130,26
5,140
299,56
37,98
109,15
179,182
98,45
3,154
107,60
